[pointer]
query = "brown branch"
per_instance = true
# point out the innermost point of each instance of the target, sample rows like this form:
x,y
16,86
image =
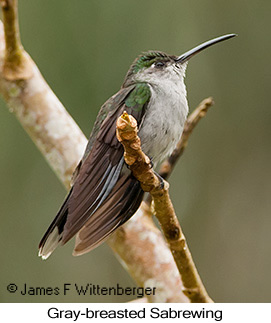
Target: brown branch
x,y
140,165
145,255
138,244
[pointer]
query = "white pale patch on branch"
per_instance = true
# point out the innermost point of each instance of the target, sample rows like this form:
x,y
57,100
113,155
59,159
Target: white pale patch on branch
x,y
163,255
162,293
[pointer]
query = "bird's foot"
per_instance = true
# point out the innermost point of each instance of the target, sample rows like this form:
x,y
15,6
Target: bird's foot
x,y
151,162
162,183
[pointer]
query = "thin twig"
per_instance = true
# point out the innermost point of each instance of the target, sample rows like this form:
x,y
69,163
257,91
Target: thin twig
x,y
140,166
143,251
17,64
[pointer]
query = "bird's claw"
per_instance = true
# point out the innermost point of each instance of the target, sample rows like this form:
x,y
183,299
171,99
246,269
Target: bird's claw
x,y
162,183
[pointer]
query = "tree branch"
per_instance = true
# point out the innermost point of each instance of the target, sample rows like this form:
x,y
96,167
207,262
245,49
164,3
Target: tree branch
x,y
17,64
144,254
140,166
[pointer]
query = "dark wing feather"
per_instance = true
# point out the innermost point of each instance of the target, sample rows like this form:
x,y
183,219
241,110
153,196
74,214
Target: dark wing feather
x,y
122,203
104,194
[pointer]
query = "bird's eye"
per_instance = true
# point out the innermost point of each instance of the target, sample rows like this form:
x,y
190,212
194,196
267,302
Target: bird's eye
x,y
159,64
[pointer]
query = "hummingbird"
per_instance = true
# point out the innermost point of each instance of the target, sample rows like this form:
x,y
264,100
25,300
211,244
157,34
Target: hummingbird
x,y
104,193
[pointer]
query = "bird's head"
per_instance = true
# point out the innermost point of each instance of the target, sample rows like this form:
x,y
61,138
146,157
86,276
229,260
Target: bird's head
x,y
155,65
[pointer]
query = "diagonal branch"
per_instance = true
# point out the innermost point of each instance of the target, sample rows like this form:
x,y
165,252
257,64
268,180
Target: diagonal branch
x,y
140,166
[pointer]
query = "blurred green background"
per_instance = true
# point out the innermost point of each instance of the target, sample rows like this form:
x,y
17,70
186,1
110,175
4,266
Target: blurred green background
x,y
220,188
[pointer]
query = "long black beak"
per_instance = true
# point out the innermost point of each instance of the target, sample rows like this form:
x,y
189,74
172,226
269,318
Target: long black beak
x,y
186,56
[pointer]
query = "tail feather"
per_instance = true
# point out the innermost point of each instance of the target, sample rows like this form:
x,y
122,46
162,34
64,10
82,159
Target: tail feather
x,y
52,241
53,236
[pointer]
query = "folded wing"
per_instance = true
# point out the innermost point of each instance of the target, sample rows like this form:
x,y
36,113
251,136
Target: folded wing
x,y
104,194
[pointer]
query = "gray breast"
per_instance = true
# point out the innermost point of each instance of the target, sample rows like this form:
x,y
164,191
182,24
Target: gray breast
x,y
164,121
